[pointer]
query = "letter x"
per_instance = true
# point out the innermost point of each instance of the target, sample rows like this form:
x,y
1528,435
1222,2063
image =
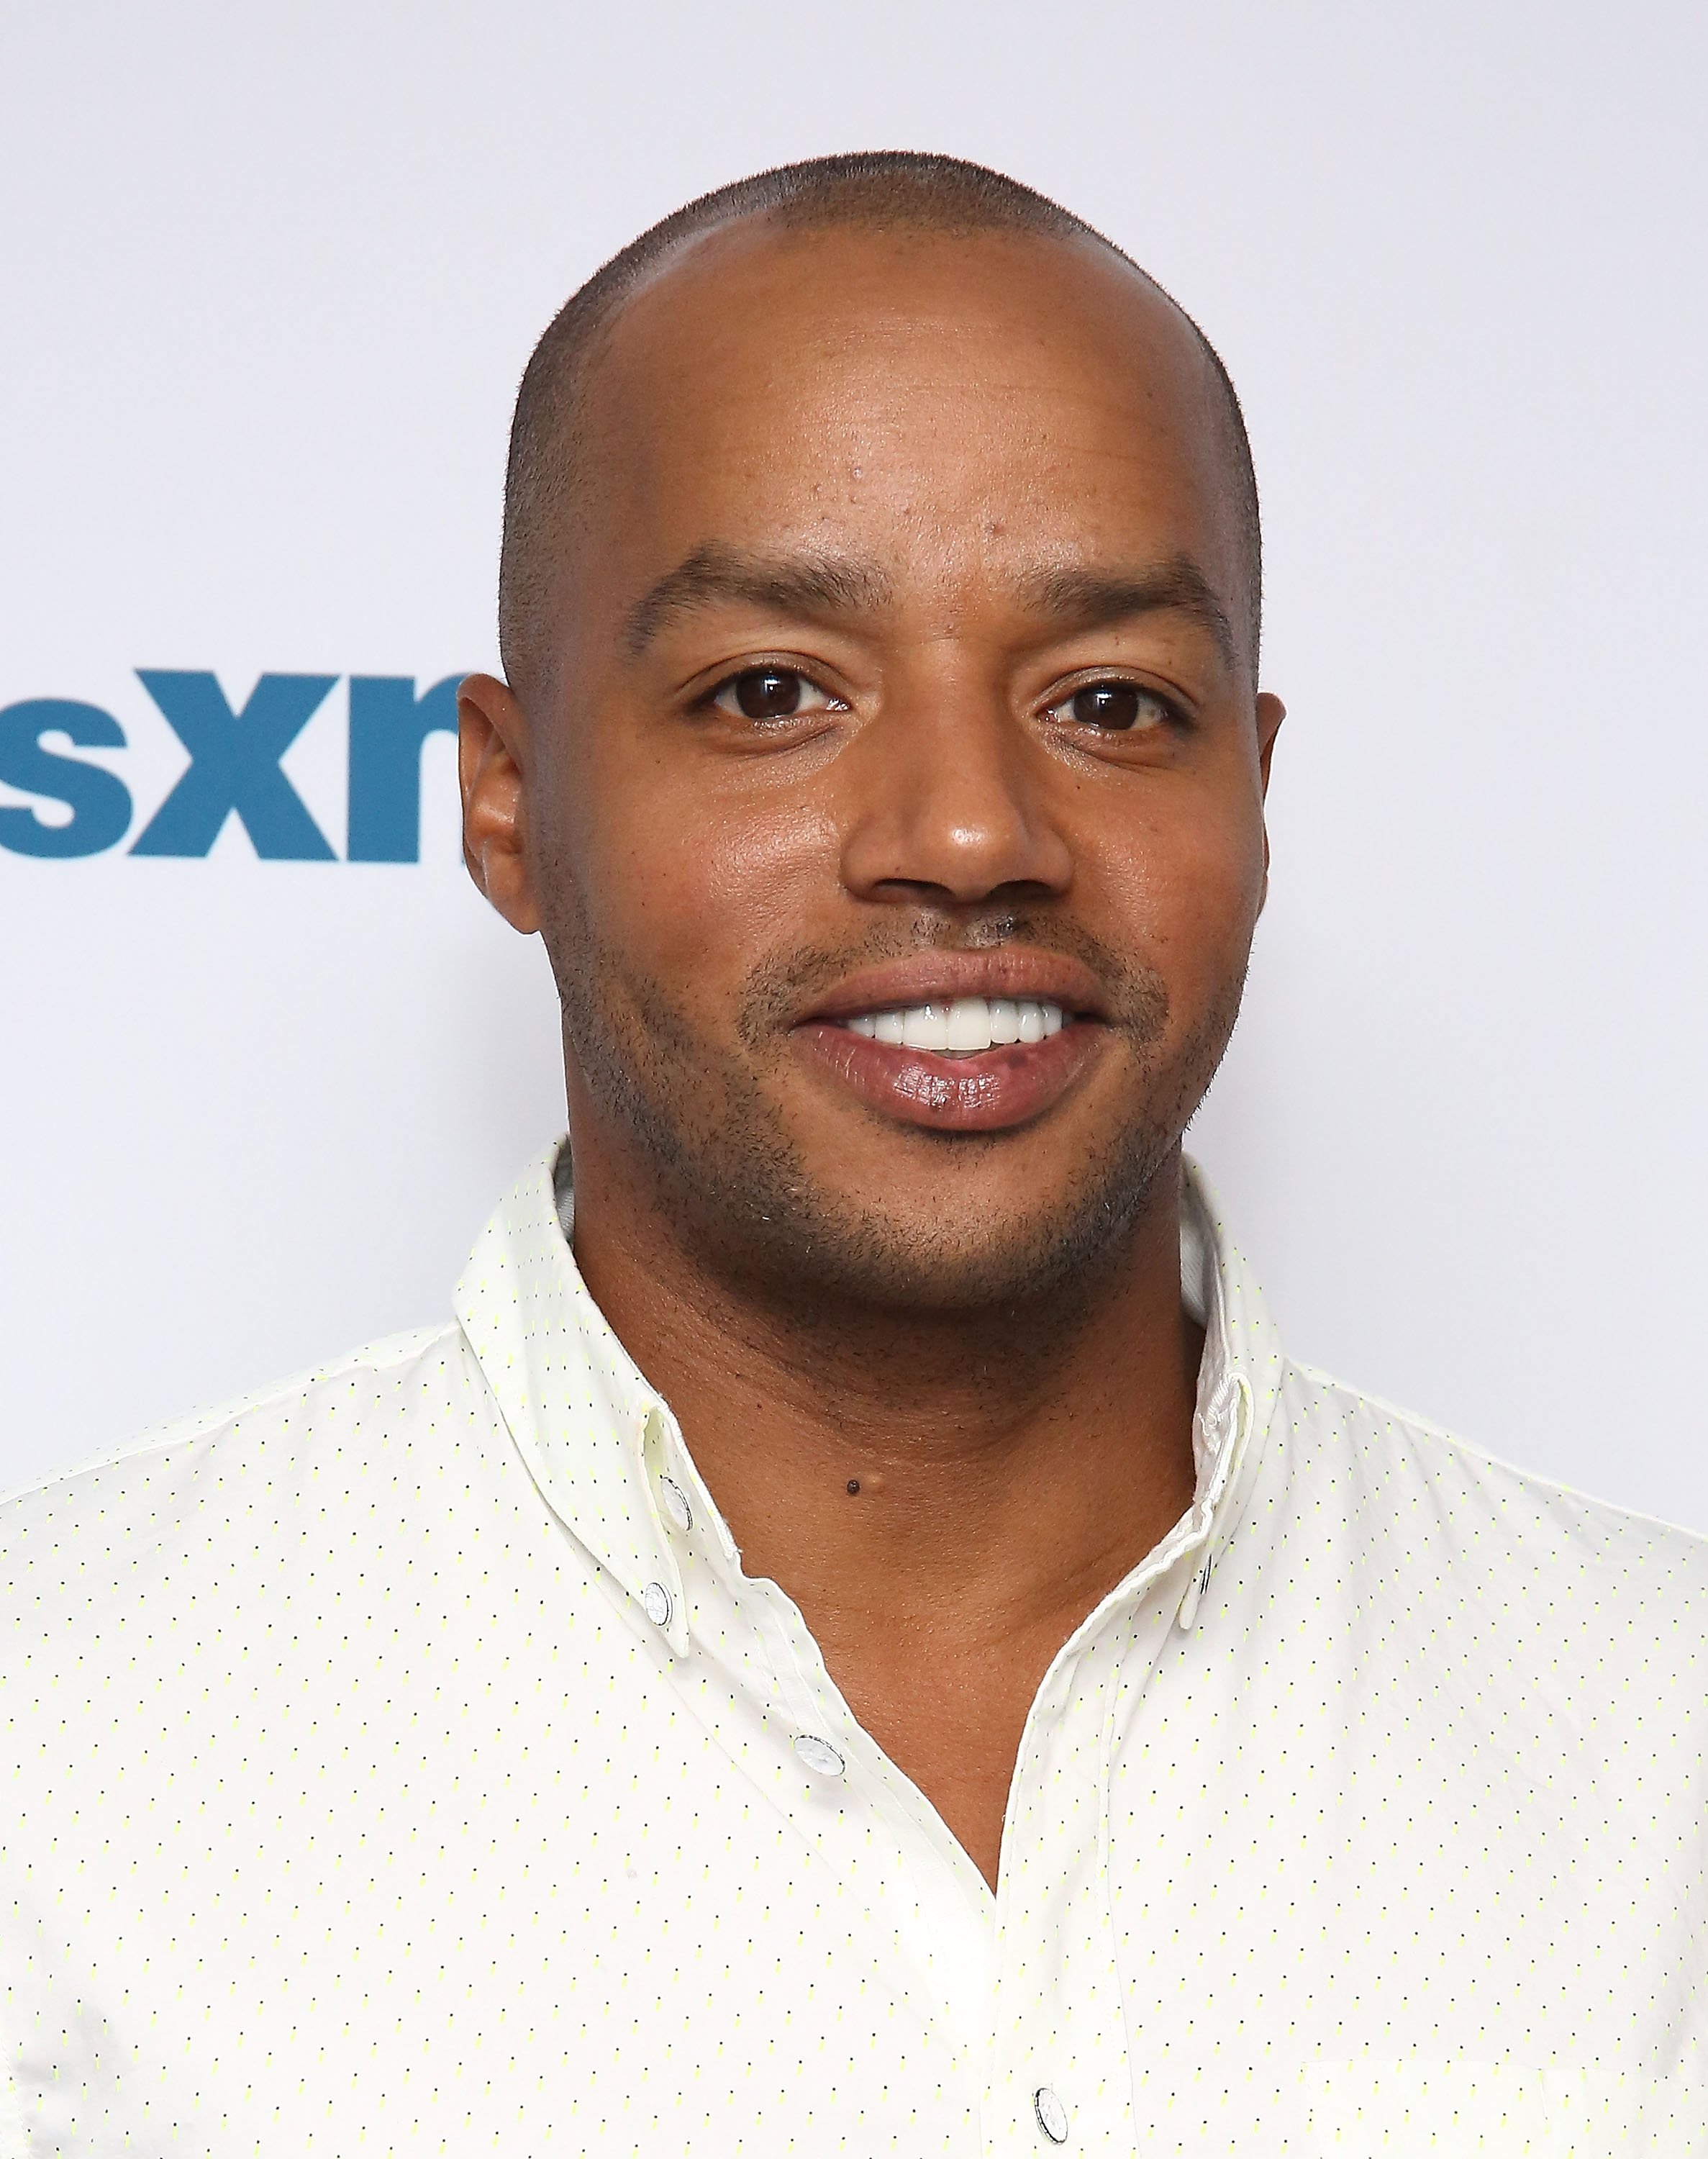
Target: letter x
x,y
234,765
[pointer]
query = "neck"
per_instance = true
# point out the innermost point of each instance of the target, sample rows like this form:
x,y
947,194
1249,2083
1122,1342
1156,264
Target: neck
x,y
1009,1462
944,1497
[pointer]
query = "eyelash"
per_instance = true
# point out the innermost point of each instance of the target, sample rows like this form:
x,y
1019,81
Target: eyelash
x,y
1174,715
707,701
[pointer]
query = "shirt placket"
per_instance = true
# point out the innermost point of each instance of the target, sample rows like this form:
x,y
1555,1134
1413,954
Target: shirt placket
x,y
844,1795
1060,2073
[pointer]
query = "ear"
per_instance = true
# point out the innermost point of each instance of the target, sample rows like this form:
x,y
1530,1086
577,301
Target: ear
x,y
492,763
1271,712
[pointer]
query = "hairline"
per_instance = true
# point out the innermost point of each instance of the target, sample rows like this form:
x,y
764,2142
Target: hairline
x,y
826,199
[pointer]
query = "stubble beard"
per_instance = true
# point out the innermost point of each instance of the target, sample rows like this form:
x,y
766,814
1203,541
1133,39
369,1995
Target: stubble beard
x,y
744,1207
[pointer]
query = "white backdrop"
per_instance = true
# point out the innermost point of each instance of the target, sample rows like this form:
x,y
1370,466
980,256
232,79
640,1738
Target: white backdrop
x,y
269,278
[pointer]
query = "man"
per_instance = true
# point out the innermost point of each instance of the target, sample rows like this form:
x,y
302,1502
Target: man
x,y
857,1639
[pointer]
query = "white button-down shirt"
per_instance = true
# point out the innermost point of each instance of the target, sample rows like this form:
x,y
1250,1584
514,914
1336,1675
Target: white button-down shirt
x,y
402,1761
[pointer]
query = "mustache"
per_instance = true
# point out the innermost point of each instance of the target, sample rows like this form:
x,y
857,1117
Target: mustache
x,y
785,986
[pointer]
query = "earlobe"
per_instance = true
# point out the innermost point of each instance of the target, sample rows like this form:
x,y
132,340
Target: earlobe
x,y
491,754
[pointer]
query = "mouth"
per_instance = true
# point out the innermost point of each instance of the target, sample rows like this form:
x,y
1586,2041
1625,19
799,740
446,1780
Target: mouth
x,y
986,1043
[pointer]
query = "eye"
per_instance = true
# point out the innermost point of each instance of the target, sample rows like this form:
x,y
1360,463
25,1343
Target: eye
x,y
1115,708
772,693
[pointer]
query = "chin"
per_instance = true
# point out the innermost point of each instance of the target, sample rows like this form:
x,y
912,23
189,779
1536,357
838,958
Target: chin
x,y
941,1257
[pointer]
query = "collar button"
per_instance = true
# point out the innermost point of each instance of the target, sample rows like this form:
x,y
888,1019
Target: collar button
x,y
819,1755
1052,2114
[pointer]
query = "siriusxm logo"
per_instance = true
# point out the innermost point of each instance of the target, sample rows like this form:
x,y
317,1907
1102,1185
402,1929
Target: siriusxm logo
x,y
234,769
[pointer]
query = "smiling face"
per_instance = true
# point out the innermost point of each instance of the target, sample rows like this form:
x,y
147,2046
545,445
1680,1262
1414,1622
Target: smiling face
x,y
892,800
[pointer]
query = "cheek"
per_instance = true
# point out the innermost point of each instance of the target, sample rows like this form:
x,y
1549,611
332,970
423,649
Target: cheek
x,y
694,876
1183,892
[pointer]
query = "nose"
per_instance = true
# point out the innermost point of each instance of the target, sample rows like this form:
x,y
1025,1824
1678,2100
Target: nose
x,y
947,803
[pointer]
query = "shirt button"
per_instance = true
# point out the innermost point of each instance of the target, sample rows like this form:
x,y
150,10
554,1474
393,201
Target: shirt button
x,y
655,1603
1052,2114
819,1755
676,1502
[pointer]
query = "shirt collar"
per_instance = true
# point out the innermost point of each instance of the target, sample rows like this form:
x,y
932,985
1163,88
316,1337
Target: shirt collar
x,y
577,1406
1239,1383
582,1414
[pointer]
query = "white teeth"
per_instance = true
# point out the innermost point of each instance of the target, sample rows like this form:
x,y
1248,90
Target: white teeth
x,y
963,1029
969,1026
925,1026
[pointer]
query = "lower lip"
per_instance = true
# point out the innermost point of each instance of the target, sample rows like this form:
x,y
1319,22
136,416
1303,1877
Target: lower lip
x,y
991,1091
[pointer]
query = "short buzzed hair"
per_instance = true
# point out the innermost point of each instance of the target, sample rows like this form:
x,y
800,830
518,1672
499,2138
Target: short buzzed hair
x,y
907,189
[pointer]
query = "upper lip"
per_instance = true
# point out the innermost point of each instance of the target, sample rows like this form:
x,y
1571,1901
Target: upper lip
x,y
939,977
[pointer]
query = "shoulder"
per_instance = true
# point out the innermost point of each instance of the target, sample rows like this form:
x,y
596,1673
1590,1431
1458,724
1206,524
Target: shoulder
x,y
254,1460
1415,1494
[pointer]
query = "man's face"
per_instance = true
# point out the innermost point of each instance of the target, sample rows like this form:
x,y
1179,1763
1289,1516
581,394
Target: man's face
x,y
894,805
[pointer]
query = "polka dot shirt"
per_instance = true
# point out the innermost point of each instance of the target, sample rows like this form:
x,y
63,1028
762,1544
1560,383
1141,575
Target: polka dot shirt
x,y
401,1761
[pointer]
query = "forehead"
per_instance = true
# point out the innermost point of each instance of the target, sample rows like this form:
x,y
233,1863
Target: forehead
x,y
935,401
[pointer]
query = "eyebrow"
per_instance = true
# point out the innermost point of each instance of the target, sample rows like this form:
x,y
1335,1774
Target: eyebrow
x,y
794,584
1091,598
791,584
